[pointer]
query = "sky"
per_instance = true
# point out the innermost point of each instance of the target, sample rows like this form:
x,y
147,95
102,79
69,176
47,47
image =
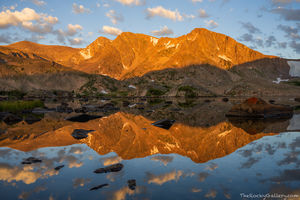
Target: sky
x,y
269,26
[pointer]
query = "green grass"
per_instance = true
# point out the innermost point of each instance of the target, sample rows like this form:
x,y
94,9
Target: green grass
x,y
189,91
155,92
296,83
16,106
154,101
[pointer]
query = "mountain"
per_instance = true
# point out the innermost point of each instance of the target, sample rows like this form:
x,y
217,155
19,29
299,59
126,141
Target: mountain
x,y
132,54
13,62
133,136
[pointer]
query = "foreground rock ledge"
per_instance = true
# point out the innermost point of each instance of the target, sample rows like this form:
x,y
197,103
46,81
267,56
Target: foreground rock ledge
x,y
258,108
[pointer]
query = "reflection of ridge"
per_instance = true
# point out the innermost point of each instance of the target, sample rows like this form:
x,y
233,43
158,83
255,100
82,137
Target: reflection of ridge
x,y
133,136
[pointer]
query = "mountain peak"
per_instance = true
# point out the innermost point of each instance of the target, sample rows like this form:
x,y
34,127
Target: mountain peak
x,y
135,54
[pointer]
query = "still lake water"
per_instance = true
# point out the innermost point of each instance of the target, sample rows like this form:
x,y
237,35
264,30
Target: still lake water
x,y
203,155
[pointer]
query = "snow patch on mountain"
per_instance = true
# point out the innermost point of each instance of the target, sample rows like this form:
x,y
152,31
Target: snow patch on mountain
x,y
154,41
86,53
169,45
224,58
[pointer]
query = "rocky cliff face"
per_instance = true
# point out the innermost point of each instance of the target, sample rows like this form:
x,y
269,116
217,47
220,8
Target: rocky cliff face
x,y
131,54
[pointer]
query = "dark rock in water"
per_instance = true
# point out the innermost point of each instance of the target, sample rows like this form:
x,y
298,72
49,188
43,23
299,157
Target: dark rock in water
x,y
112,168
126,103
10,119
99,187
225,99
297,99
83,118
132,184
31,160
59,167
81,133
207,100
63,109
31,119
165,123
271,101
169,102
258,108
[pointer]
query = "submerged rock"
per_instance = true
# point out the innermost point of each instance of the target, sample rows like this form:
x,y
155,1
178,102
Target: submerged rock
x,y
132,184
225,99
83,118
99,186
81,133
31,160
165,123
58,167
258,108
112,168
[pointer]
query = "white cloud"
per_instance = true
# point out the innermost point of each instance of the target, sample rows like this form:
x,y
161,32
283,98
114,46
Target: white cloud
x,y
39,3
211,194
77,9
98,5
202,13
111,30
73,29
51,20
114,17
195,1
163,31
130,2
188,16
163,178
162,12
111,160
8,18
211,24
13,7
28,19
38,28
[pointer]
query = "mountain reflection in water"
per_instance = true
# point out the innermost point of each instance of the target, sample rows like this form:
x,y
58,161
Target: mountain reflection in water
x,y
193,161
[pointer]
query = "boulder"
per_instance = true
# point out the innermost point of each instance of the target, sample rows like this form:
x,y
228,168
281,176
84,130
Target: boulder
x,y
31,160
99,187
58,167
165,123
83,118
258,108
112,168
132,184
81,133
